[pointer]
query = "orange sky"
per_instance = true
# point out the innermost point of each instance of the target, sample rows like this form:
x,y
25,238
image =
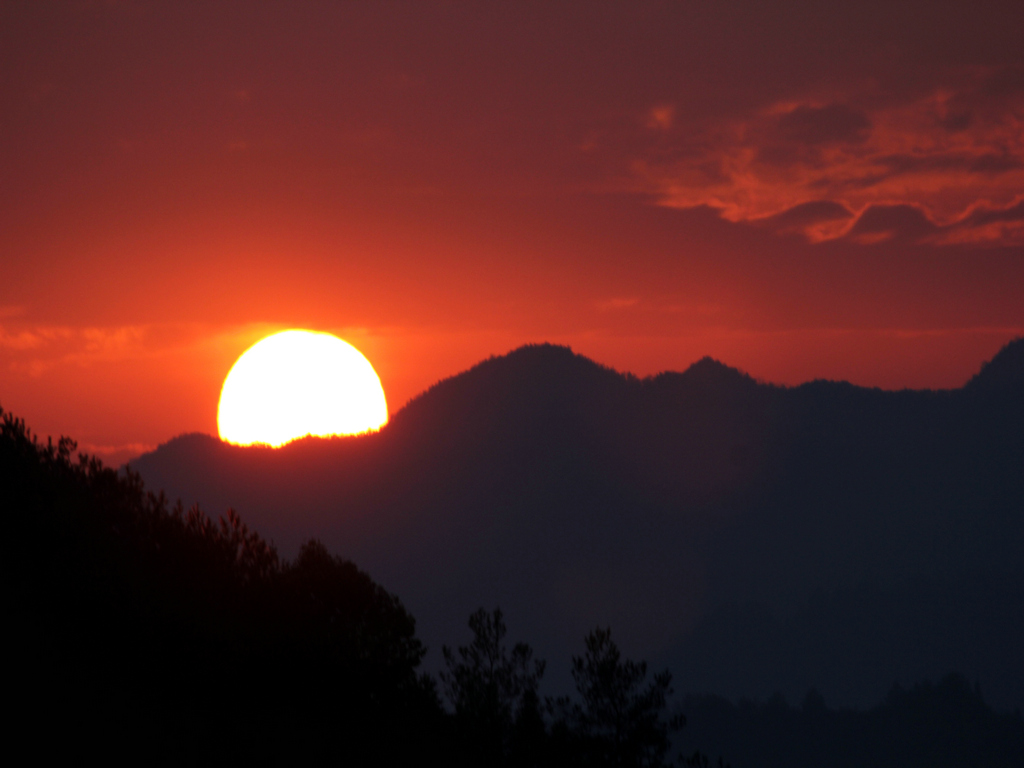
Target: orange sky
x,y
800,191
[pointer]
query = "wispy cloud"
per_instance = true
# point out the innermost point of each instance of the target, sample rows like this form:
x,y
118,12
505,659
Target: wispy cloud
x,y
36,349
946,166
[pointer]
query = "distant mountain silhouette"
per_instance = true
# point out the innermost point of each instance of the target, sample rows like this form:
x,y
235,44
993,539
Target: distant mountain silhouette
x,y
753,537
927,726
1004,373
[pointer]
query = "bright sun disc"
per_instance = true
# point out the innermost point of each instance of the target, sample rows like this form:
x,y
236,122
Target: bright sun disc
x,y
298,383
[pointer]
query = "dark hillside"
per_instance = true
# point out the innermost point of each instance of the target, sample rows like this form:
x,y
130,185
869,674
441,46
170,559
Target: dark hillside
x,y
154,632
675,508
1003,375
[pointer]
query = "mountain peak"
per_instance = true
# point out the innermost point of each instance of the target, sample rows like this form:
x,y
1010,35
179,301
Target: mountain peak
x,y
1004,373
708,372
534,374
708,365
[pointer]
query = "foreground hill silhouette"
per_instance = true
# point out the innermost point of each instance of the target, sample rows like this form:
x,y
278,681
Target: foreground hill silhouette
x,y
139,630
754,538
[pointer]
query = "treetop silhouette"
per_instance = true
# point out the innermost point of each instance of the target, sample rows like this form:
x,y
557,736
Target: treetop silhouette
x,y
620,718
492,689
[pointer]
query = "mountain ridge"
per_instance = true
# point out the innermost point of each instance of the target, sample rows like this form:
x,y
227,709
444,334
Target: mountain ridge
x,y
1004,371
573,495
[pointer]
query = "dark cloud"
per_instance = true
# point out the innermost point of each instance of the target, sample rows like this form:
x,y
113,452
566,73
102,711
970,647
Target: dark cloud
x,y
879,223
820,217
986,224
983,216
996,163
970,162
956,120
814,212
832,123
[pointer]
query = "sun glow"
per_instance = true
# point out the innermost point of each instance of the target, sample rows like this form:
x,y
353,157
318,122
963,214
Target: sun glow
x,y
297,383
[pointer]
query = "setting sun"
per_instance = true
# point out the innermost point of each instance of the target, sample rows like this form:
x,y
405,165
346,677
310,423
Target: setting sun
x,y
297,383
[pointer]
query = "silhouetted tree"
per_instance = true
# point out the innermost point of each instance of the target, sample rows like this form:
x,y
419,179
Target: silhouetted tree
x,y
494,693
619,721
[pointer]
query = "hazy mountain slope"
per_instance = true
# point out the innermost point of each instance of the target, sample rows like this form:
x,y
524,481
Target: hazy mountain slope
x,y
926,726
572,495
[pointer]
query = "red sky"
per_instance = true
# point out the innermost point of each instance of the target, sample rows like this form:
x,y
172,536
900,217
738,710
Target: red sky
x,y
799,190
